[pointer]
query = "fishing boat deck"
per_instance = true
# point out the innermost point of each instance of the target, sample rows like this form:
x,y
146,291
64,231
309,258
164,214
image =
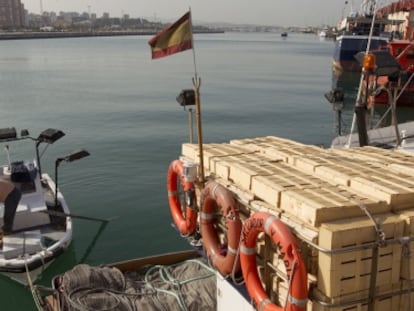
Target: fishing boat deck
x,y
37,237
340,203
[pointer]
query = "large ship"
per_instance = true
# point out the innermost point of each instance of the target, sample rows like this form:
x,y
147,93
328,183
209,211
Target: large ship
x,y
358,31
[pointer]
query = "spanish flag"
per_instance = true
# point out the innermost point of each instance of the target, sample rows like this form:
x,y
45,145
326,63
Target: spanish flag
x,y
173,39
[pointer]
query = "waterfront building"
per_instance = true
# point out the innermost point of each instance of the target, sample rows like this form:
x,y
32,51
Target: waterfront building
x,y
402,11
11,14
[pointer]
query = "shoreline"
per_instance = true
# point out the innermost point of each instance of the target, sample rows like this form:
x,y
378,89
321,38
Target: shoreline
x,y
74,34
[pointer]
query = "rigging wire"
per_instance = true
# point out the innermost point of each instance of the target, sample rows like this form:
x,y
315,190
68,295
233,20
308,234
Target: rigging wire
x,y
361,81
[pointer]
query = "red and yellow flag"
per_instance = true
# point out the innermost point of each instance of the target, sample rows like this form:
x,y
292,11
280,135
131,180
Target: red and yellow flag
x,y
173,39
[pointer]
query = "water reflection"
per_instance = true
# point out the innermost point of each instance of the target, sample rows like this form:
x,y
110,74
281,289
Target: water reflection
x,y
347,83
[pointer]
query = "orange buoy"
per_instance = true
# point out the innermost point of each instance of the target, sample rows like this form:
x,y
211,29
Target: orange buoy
x,y
214,195
290,254
186,223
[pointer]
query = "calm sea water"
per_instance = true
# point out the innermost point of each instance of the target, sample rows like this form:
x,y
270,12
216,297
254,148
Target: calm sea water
x,y
110,98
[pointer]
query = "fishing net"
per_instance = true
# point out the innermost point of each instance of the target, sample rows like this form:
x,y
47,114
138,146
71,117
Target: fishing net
x,y
190,286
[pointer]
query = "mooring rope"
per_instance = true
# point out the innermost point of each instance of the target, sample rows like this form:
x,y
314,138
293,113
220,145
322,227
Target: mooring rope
x,y
166,276
33,291
152,283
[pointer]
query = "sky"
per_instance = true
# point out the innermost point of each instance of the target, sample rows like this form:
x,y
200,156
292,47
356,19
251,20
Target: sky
x,y
261,12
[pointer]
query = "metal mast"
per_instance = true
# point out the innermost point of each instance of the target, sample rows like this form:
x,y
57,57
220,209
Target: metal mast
x,y
368,7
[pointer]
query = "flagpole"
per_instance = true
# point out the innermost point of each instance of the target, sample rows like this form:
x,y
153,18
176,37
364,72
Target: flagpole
x,y
161,47
192,40
196,85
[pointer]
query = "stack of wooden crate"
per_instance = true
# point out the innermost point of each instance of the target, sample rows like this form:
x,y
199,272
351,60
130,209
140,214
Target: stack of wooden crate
x,y
332,199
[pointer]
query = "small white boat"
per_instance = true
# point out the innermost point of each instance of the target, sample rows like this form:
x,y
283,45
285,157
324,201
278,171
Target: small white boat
x,y
42,227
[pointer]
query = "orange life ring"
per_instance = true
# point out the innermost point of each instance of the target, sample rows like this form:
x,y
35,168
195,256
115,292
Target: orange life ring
x,y
214,195
295,267
187,223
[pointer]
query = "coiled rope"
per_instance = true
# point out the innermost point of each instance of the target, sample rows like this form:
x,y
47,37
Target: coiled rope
x,y
149,283
166,276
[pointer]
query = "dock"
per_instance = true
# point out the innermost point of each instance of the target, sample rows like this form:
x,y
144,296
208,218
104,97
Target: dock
x,y
351,209
81,34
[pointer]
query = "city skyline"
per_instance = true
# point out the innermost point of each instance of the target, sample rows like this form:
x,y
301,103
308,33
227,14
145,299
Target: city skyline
x,y
263,12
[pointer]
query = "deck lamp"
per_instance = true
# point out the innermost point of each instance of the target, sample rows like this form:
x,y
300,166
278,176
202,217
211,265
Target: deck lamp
x,y
76,155
336,98
48,136
187,98
369,62
380,62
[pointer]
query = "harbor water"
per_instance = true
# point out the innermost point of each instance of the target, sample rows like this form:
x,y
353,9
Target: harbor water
x,y
110,98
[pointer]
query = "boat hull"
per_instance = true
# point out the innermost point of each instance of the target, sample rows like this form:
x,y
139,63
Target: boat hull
x,y
406,98
347,46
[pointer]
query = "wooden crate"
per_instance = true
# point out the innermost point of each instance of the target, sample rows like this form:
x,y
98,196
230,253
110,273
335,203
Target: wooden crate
x,y
405,168
396,190
289,155
344,170
349,272
269,188
278,148
227,167
349,302
261,147
191,151
222,166
407,297
300,229
326,203
210,152
371,154
268,141
308,164
407,260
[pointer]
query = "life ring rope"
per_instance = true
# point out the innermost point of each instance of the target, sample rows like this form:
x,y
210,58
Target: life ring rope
x,y
185,221
295,268
214,194
232,250
247,250
207,216
263,304
293,300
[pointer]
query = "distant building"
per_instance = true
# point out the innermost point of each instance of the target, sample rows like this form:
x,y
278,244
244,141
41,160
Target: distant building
x,y
11,14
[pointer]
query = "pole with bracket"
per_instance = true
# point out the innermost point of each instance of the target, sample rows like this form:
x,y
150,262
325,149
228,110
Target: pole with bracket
x,y
197,84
